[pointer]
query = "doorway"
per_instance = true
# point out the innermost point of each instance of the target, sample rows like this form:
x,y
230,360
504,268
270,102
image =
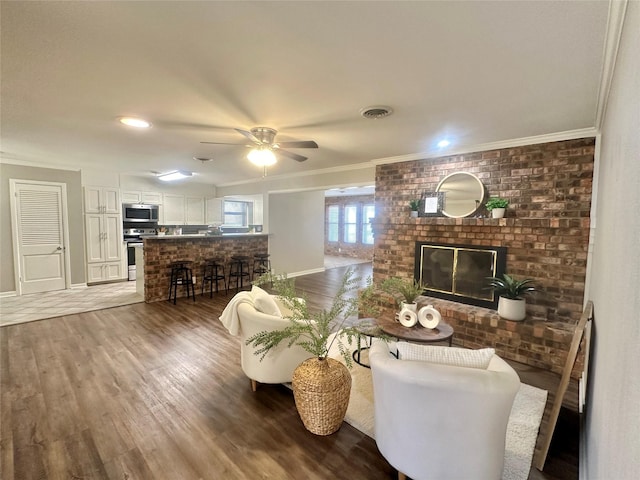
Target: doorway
x,y
40,236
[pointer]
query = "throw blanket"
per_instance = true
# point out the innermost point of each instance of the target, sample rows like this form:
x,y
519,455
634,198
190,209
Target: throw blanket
x,y
229,317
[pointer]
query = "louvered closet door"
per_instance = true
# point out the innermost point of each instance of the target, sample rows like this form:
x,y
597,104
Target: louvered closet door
x,y
40,237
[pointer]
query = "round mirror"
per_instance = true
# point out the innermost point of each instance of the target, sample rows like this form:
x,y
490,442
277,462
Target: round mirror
x,y
463,194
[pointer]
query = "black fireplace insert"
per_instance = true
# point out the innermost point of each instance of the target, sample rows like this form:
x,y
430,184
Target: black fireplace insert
x,y
459,272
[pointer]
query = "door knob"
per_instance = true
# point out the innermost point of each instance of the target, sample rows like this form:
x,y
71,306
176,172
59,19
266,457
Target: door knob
x,y
59,248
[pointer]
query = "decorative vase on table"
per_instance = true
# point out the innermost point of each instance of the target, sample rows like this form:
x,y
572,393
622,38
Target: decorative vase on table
x,y
321,389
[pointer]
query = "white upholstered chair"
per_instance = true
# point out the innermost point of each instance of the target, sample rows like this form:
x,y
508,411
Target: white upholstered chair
x,y
437,421
278,365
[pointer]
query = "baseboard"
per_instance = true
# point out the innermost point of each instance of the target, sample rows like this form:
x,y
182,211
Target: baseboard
x,y
78,285
305,272
8,294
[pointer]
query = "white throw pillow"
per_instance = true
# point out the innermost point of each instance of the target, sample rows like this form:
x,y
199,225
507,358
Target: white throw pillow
x,y
459,357
263,302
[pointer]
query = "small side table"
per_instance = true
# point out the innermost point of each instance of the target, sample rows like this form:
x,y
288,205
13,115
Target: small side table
x,y
417,333
367,328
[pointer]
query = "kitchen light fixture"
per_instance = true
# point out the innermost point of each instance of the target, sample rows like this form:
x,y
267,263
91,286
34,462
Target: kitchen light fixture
x,y
176,175
262,156
134,122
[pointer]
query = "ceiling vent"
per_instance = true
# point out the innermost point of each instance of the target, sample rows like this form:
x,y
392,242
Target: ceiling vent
x,y
376,112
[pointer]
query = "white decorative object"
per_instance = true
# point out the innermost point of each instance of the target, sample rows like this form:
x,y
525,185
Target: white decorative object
x,y
407,318
413,306
512,309
498,212
429,317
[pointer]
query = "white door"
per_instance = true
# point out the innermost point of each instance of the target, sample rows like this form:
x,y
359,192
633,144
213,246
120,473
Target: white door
x,y
38,219
112,237
94,230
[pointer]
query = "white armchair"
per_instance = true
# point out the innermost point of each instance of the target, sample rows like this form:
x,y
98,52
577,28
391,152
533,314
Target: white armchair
x,y
278,365
437,421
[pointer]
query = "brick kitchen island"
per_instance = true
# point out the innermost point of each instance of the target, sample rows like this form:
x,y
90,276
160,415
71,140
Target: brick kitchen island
x,y
159,252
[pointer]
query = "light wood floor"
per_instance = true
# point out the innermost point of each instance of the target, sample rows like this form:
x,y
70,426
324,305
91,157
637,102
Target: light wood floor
x,y
155,391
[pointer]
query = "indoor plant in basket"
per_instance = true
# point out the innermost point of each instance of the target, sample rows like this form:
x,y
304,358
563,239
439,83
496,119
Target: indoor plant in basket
x,y
497,206
511,303
321,385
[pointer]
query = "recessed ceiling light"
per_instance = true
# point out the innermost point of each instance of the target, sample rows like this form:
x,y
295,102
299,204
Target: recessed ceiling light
x,y
444,143
134,122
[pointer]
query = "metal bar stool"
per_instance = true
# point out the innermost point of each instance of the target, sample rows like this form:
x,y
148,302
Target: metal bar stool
x,y
181,274
213,272
261,264
238,269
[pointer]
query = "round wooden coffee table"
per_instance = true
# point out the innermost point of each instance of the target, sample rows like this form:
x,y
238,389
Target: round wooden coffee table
x,y
417,333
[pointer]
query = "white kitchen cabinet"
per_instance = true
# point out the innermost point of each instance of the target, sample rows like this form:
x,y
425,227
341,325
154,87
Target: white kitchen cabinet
x,y
103,234
214,211
194,211
173,209
181,210
101,200
150,198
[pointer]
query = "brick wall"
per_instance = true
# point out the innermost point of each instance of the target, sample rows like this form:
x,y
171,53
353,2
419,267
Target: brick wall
x,y
160,252
546,232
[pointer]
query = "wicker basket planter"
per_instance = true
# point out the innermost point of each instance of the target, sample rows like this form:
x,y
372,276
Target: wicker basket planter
x,y
321,389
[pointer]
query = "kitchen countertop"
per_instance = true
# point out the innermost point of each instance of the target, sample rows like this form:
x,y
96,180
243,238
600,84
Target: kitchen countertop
x,y
203,235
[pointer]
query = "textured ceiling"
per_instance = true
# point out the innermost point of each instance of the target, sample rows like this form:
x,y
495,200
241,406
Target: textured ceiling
x,y
474,72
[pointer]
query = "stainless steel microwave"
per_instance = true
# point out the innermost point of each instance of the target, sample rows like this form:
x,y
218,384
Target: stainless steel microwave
x,y
138,212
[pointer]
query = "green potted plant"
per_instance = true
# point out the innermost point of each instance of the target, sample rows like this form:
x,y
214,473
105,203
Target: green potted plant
x,y
404,291
497,206
321,385
512,303
414,205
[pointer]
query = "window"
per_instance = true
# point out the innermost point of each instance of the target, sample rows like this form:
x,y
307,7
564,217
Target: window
x,y
333,222
350,223
236,213
368,212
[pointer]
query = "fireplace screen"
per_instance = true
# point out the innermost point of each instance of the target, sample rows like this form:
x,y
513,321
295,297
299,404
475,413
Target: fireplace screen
x,y
459,272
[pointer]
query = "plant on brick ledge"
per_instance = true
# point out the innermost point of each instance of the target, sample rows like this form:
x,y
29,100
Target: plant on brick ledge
x,y
512,304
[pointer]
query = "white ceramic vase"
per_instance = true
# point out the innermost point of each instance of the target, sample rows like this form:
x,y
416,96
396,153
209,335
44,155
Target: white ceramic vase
x,y
414,214
498,212
512,309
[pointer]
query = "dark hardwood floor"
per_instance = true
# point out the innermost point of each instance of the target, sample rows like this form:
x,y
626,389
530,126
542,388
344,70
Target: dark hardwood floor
x,y
155,391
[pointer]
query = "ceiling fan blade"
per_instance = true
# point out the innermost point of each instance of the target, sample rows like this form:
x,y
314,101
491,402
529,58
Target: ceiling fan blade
x,y
249,135
295,156
299,144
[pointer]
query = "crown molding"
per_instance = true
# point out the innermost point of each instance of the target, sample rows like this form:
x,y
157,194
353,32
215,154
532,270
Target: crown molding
x,y
615,21
311,173
483,147
28,163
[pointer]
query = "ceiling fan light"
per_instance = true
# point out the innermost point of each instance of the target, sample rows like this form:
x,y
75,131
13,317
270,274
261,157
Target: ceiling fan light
x,y
262,157
135,122
171,176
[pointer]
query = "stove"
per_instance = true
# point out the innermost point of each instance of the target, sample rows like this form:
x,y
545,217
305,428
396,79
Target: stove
x,y
133,238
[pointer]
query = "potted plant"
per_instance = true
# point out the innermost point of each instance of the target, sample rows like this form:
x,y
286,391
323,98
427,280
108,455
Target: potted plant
x,y
414,205
404,291
497,206
161,231
321,385
511,303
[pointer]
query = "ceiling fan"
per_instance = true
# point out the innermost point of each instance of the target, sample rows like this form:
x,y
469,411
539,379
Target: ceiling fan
x,y
264,147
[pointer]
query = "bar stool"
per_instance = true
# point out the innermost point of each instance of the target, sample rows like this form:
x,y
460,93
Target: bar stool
x,y
261,264
213,272
238,269
181,274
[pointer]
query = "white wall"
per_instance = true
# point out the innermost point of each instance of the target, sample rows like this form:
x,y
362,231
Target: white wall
x,y
296,227
613,403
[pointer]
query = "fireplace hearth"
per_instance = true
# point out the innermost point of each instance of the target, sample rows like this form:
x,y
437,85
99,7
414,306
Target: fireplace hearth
x,y
459,272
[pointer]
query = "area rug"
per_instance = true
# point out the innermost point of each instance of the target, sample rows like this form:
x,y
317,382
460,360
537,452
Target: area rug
x,y
522,429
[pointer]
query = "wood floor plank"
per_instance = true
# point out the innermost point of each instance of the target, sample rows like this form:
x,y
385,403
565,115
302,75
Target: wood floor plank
x,y
156,391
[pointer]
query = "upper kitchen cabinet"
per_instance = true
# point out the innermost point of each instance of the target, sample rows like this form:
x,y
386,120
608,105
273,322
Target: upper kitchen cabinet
x,y
101,200
214,211
151,198
181,210
194,211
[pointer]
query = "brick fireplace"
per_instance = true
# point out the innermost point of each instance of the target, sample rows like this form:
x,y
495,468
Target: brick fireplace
x,y
546,233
